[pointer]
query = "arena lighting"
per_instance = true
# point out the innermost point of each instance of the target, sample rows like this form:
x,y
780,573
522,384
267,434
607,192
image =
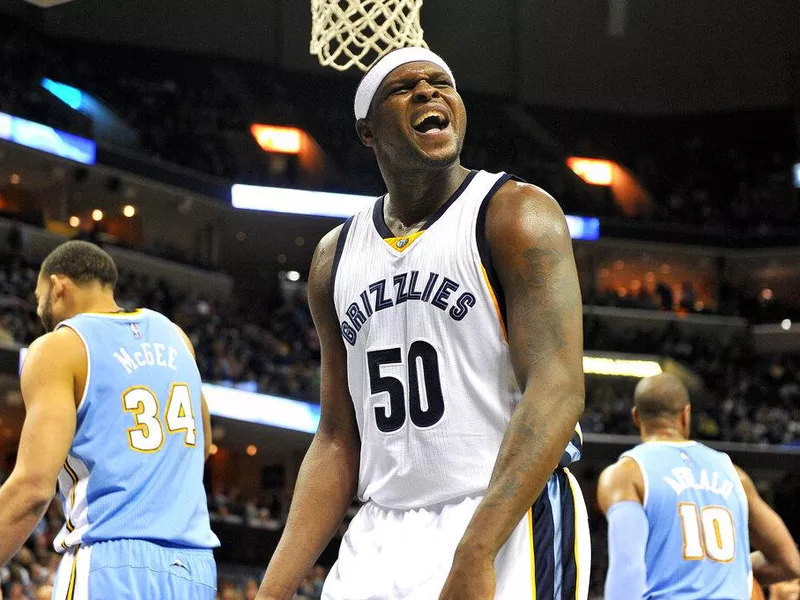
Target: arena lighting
x,y
620,367
44,138
261,409
129,210
74,221
292,275
786,324
592,170
97,215
342,206
69,95
277,139
298,202
797,175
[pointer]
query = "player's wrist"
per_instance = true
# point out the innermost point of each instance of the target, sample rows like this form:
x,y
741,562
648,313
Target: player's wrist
x,y
472,551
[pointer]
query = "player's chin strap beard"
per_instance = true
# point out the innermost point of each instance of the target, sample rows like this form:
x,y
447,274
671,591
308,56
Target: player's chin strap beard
x,y
372,80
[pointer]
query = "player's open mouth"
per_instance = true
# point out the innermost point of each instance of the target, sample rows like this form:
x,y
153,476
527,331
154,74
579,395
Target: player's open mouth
x,y
431,122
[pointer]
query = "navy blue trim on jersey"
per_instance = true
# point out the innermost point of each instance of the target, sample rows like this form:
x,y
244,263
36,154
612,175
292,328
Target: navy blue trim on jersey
x,y
553,521
339,249
483,245
544,563
455,196
383,228
379,221
573,452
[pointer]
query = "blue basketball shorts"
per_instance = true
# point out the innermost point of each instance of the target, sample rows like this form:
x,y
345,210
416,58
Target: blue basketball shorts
x,y
135,570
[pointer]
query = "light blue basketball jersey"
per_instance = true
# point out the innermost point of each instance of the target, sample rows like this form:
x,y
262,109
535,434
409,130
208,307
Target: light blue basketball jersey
x,y
698,546
135,469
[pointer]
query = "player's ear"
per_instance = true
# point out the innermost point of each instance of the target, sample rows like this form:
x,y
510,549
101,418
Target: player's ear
x,y
687,418
58,284
635,416
364,130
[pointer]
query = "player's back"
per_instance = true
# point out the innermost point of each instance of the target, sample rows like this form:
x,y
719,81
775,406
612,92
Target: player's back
x,y
135,468
698,546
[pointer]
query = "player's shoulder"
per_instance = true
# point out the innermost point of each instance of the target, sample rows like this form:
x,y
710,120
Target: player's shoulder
x,y
326,247
622,471
620,482
520,208
62,347
325,254
518,196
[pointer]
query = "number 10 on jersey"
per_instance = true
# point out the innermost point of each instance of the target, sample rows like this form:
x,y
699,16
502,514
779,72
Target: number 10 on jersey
x,y
147,435
707,532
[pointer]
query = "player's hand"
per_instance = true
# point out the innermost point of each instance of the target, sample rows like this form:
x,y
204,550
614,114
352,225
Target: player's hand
x,y
470,578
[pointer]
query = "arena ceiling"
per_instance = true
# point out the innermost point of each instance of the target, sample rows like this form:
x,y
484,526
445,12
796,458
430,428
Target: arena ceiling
x,y
611,55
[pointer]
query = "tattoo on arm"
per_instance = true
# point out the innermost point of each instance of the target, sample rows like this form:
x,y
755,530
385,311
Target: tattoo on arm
x,y
543,273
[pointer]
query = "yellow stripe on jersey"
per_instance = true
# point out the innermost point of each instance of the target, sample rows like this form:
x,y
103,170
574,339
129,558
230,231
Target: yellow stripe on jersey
x,y
533,555
575,536
74,476
494,300
116,314
72,577
403,242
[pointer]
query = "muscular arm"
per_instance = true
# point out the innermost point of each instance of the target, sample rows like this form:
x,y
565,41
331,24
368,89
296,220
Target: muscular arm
x,y
620,494
532,254
48,389
328,477
777,558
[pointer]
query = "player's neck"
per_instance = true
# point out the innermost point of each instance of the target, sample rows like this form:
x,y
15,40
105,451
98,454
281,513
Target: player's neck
x,y
666,434
414,196
96,303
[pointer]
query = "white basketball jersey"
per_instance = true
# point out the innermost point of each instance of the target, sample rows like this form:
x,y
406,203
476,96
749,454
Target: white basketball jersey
x,y
428,363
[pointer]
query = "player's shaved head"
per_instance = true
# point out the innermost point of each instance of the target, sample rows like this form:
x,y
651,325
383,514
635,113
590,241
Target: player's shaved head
x,y
660,396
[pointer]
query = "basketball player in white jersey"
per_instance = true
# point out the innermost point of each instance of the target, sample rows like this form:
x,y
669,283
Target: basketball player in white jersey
x,y
450,320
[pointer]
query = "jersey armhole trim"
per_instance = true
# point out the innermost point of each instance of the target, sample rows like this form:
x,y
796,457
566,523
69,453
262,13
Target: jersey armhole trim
x,y
644,477
88,364
487,266
338,254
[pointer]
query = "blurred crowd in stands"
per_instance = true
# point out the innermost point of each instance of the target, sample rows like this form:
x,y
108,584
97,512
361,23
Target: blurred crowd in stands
x,y
700,171
757,306
275,350
264,512
748,398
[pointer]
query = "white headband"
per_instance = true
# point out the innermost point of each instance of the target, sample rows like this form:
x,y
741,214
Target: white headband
x,y
373,79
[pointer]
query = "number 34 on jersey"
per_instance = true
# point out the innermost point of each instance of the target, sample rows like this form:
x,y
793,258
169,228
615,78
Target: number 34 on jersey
x,y
147,434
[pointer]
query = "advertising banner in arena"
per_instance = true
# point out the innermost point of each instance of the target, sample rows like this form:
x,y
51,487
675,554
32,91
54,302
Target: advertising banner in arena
x,y
47,139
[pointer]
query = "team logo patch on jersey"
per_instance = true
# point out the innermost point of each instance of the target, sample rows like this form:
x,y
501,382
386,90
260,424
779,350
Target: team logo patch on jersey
x,y
401,243
136,333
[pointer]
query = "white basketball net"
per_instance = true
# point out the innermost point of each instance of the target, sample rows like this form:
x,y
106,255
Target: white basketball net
x,y
347,33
